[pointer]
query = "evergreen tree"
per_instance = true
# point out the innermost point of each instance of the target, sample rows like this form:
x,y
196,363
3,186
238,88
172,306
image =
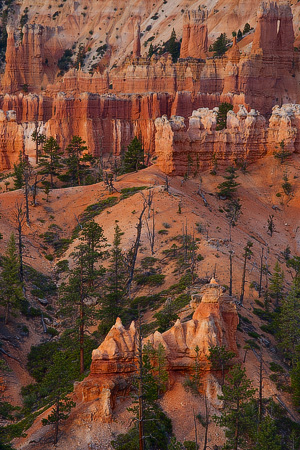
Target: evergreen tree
x,y
78,293
219,47
11,292
276,284
151,50
267,437
282,154
173,47
219,358
152,427
236,415
239,35
247,28
75,162
195,382
159,366
58,385
19,172
295,381
228,188
50,159
134,157
222,115
294,263
38,138
289,322
112,301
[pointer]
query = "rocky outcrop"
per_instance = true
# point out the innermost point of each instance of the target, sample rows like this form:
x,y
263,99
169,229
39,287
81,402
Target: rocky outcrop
x,y
214,322
246,137
136,53
11,139
24,64
194,35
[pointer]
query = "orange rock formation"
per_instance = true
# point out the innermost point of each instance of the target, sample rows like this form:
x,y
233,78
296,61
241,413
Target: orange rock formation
x,y
194,35
247,137
109,107
214,322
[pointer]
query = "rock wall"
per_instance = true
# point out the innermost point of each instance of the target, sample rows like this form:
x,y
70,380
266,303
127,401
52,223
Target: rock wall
x,y
247,136
214,322
11,139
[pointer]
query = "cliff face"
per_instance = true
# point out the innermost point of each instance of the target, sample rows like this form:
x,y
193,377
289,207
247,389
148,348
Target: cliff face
x,y
109,107
11,139
214,322
246,137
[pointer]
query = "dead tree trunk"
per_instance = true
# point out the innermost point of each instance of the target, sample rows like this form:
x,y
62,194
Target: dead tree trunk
x,y
135,249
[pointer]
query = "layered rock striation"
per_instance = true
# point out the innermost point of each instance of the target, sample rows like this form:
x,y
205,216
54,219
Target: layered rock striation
x,y
214,323
247,137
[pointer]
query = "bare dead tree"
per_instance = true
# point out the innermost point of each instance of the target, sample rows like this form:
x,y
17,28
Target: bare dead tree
x,y
39,138
201,193
206,422
261,271
151,231
167,184
195,428
20,218
149,200
140,385
132,256
27,175
260,397
34,186
193,261
230,261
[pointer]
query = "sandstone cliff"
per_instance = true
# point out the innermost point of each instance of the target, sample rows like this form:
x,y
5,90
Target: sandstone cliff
x,y
214,322
247,137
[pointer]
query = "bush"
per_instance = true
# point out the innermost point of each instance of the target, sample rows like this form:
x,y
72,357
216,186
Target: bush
x,y
150,279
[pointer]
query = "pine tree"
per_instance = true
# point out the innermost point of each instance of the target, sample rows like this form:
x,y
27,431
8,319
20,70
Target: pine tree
x,y
11,292
237,395
219,47
75,162
219,358
58,384
152,427
38,138
82,282
228,188
173,47
112,301
247,28
19,172
50,159
295,381
159,366
222,115
276,284
289,322
151,50
134,157
282,154
267,437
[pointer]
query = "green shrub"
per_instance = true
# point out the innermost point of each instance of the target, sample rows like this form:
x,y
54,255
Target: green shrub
x,y
253,334
276,367
155,279
96,208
